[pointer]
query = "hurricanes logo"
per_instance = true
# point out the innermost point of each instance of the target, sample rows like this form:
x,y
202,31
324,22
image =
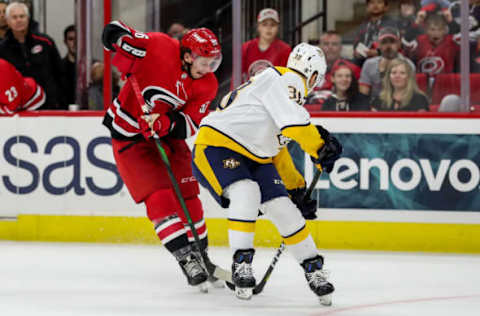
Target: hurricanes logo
x,y
432,65
230,163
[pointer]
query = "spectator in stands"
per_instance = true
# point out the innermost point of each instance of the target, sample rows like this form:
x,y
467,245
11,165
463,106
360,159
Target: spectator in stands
x,y
450,103
3,21
400,91
32,24
475,56
95,90
365,43
266,49
436,51
69,63
331,44
176,30
374,68
16,92
33,55
346,96
406,19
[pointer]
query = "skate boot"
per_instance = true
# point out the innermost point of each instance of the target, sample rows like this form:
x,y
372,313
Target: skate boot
x,y
242,273
192,267
317,279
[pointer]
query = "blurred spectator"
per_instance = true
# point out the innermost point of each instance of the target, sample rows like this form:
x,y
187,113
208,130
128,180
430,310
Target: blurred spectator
x,y
400,91
450,103
3,21
265,50
346,96
374,68
32,24
331,44
69,63
18,93
176,30
436,51
475,56
365,43
34,55
406,19
95,90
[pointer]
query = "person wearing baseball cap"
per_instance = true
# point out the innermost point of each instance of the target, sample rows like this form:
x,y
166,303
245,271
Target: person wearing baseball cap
x,y
374,68
265,50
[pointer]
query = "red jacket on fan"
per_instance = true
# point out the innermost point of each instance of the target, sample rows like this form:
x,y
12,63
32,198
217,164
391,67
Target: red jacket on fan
x,y
166,87
16,92
434,60
276,54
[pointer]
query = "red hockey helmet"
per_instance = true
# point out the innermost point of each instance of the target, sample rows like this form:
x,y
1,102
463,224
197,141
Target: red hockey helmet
x,y
203,43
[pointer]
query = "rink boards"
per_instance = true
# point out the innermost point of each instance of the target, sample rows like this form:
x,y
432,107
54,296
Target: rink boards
x,y
404,183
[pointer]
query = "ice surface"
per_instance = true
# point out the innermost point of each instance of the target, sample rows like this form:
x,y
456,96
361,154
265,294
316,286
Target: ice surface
x,y
102,279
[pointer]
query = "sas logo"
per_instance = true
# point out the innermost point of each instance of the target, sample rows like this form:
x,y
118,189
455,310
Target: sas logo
x,y
230,163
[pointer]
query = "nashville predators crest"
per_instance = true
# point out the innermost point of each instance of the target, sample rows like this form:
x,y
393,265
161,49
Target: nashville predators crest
x,y
230,163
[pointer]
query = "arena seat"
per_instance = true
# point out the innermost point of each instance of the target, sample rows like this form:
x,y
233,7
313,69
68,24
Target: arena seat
x,y
450,84
422,82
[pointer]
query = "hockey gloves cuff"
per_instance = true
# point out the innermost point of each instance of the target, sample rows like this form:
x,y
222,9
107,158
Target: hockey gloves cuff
x,y
329,153
305,204
130,53
155,124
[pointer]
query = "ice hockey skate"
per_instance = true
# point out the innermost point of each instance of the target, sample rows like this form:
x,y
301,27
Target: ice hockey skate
x,y
317,279
242,273
192,268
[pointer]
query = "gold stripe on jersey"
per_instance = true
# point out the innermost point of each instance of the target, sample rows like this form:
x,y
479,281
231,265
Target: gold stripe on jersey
x,y
284,70
307,136
209,136
292,179
241,226
202,164
297,237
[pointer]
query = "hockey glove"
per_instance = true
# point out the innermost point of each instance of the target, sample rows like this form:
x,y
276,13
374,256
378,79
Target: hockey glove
x,y
155,124
330,151
131,49
305,204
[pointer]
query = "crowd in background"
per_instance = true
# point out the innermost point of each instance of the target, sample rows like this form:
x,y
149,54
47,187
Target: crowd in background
x,y
397,63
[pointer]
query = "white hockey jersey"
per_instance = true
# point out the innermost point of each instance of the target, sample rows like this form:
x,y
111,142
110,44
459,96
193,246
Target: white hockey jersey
x,y
259,118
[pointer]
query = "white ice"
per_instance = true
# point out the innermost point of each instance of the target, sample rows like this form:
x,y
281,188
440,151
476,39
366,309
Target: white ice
x,y
97,279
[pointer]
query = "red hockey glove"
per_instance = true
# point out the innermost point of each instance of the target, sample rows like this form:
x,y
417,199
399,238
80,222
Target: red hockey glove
x,y
155,123
131,49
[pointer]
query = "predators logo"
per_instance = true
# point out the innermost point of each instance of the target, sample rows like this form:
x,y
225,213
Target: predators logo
x,y
230,163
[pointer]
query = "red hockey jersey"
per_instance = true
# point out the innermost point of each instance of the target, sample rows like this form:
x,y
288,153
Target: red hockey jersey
x,y
165,87
434,60
16,92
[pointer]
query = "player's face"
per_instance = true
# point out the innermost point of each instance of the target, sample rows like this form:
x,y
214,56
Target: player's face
x,y
389,47
3,7
436,33
18,20
267,30
342,78
331,46
399,77
203,65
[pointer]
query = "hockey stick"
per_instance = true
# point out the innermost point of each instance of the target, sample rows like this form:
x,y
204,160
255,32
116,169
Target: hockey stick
x,y
259,287
217,272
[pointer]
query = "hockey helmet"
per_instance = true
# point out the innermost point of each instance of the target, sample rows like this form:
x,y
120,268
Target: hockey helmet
x,y
203,43
308,60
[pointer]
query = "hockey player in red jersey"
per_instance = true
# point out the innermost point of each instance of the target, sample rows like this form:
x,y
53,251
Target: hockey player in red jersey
x,y
177,83
16,92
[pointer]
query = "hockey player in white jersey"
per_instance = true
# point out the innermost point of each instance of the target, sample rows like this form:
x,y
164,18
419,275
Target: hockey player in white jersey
x,y
240,156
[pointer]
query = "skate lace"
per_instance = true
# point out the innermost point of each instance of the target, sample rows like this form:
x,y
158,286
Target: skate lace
x,y
318,277
243,269
192,267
